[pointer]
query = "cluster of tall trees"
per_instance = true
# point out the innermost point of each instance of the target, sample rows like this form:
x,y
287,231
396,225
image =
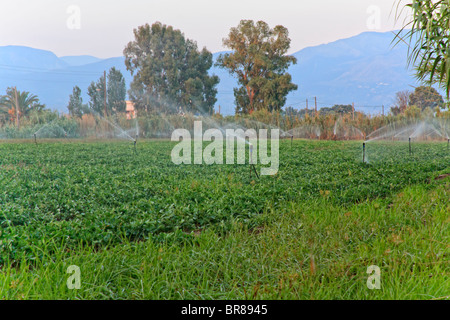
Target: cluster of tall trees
x,y
422,97
170,73
107,96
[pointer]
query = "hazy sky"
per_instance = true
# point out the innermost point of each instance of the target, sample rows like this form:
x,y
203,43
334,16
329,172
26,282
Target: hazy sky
x,y
102,28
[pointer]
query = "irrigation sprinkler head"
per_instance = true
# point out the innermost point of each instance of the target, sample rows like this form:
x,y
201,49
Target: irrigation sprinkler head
x,y
35,141
410,150
364,152
135,151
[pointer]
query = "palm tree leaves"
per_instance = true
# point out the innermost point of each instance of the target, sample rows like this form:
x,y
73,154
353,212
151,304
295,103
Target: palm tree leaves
x,y
26,102
428,33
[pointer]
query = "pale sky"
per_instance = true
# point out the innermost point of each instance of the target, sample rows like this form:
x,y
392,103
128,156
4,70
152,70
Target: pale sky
x,y
103,28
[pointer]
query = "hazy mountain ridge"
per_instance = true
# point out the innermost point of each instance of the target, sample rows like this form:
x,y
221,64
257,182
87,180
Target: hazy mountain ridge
x,y
79,60
366,69
25,59
51,78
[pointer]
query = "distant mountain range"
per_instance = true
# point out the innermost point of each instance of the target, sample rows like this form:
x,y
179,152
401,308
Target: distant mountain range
x,y
365,69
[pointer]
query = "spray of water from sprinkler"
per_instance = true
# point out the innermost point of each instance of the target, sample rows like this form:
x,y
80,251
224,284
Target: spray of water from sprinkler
x,y
65,135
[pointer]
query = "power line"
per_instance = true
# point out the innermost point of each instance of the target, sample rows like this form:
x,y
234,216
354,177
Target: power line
x,y
52,71
48,80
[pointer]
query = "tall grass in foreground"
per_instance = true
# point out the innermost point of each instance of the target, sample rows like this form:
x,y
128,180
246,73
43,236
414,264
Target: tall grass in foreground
x,y
309,250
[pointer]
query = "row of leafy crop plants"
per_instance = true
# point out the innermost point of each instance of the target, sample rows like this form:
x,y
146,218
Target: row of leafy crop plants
x,y
98,193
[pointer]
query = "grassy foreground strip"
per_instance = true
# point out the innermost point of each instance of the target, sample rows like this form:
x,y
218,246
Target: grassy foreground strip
x,y
312,250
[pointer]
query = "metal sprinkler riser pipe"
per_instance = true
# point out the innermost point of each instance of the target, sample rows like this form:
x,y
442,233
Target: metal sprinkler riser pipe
x,y
364,152
410,151
252,166
250,160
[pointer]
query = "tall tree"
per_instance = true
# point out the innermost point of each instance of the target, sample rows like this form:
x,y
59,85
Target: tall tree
x,y
96,92
170,73
426,97
116,91
76,103
3,108
401,102
259,62
428,33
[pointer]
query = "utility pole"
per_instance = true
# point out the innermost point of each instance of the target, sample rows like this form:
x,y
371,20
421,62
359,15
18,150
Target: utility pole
x,y
315,105
382,110
17,109
306,104
353,110
104,80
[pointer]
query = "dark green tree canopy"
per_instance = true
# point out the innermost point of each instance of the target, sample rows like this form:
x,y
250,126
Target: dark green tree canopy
x,y
170,73
96,92
259,62
338,109
75,103
115,93
426,97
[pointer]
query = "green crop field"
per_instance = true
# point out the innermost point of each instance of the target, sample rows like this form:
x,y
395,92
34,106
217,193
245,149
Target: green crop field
x,y
140,227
